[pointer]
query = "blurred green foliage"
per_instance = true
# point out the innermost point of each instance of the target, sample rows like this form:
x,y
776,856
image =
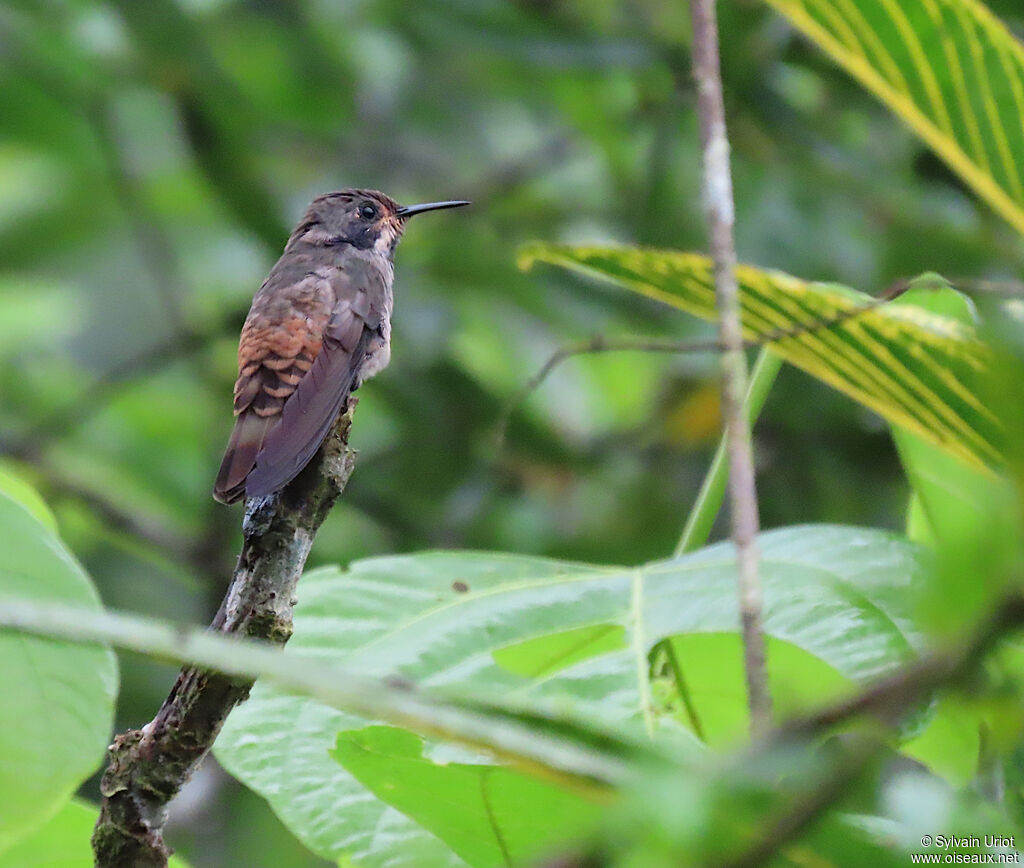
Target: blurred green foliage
x,y
154,156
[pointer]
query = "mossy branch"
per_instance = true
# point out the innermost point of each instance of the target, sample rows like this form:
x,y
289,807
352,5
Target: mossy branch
x,y
149,766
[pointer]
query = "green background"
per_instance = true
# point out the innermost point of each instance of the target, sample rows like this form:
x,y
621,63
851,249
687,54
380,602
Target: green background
x,y
154,156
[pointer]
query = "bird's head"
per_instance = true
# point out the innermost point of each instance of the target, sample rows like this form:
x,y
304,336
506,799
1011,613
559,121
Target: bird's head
x,y
364,219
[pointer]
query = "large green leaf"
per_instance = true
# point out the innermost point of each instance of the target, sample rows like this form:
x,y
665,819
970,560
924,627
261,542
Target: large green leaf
x,y
972,518
949,68
489,815
490,624
21,491
716,705
57,698
917,369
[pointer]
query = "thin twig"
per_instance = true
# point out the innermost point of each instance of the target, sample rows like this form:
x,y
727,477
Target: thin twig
x,y
177,547
888,701
601,344
720,215
596,344
94,398
829,788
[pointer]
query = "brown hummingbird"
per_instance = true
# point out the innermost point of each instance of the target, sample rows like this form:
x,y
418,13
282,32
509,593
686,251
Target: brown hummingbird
x,y
319,325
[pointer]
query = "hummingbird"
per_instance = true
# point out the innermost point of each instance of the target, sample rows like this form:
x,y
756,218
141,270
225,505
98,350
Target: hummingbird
x,y
318,327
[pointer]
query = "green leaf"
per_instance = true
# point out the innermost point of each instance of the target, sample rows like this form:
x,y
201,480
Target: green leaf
x,y
914,368
970,516
841,595
62,842
710,667
545,655
948,68
949,745
489,815
58,698
705,508
972,520
18,489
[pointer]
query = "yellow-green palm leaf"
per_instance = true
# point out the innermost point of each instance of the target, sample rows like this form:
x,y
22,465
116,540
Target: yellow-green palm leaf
x,y
914,368
949,68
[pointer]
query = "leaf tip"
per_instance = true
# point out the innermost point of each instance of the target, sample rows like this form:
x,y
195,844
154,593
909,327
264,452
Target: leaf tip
x,y
528,255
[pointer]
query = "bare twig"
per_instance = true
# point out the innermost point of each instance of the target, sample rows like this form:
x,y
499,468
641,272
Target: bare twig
x,y
149,766
601,344
801,813
596,344
890,699
175,546
720,214
94,397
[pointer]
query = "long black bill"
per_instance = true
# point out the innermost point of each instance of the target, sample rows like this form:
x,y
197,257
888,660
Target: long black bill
x,y
409,210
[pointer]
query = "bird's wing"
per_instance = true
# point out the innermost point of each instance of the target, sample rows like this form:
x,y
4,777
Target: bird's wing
x,y
274,354
311,407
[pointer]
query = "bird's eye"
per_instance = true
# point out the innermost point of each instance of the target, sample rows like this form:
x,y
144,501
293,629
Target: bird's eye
x,y
368,212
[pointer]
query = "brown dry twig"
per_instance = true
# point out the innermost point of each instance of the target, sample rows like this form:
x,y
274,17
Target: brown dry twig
x,y
719,211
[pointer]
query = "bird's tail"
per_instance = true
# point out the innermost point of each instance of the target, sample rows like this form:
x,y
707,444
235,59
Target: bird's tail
x,y
240,456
